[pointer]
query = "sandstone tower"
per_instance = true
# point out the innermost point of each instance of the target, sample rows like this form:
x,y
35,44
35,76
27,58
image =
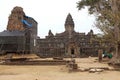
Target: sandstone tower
x,y
69,25
15,19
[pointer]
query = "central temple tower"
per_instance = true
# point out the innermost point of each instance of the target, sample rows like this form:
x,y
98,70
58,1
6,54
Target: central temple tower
x,y
69,25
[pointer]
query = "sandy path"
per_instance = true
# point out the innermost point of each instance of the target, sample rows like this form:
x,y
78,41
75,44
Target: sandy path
x,y
57,72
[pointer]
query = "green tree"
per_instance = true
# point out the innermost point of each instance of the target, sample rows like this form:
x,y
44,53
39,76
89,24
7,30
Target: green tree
x,y
107,13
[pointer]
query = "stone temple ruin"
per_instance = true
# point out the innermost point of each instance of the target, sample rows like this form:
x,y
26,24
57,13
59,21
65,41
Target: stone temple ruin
x,y
70,42
15,20
21,37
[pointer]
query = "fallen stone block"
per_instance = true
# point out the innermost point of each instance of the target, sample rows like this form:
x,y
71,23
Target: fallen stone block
x,y
92,70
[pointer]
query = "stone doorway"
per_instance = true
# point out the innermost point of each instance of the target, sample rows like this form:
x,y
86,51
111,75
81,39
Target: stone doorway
x,y
72,49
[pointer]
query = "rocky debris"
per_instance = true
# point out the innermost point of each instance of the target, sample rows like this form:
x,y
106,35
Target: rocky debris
x,y
105,68
72,66
92,70
99,70
83,69
96,70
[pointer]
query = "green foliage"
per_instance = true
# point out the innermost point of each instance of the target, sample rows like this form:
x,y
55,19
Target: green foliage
x,y
107,13
83,3
89,3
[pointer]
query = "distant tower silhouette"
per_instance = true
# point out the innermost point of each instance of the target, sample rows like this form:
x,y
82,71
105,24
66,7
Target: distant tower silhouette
x,y
69,23
50,33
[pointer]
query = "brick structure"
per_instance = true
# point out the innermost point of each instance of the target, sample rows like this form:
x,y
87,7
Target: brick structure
x,y
21,33
14,22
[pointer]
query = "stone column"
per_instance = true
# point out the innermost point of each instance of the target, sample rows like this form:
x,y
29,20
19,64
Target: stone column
x,y
100,52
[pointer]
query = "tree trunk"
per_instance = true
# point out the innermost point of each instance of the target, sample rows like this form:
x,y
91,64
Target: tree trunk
x,y
115,10
118,52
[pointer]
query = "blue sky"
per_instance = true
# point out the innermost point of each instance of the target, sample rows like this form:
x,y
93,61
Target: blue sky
x,y
50,14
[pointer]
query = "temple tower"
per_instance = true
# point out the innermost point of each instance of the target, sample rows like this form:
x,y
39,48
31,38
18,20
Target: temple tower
x,y
69,25
14,22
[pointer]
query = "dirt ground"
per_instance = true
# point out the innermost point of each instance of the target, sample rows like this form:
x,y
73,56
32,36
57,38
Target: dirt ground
x,y
57,72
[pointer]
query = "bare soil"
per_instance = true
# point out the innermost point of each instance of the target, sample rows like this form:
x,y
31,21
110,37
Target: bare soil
x,y
58,72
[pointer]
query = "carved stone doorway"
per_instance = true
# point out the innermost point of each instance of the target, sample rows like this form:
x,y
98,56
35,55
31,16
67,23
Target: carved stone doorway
x,y
72,49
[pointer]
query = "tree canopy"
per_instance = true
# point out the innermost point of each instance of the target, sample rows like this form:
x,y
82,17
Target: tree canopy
x,y
107,13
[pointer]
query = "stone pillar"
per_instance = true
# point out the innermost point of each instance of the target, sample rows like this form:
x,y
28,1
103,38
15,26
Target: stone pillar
x,y
100,52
